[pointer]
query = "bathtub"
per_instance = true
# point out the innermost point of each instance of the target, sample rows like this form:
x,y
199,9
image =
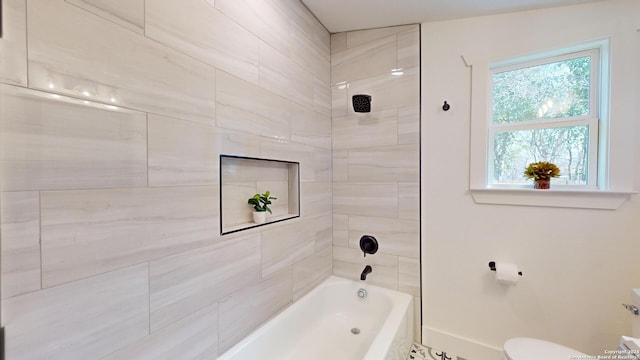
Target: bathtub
x,y
319,326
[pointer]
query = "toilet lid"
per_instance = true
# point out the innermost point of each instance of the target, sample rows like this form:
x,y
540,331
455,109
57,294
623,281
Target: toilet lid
x,y
535,349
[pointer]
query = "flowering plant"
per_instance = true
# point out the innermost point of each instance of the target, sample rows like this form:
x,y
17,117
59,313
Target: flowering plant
x,y
541,170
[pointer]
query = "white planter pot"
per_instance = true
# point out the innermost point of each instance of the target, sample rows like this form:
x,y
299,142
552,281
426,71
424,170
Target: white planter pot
x,y
259,217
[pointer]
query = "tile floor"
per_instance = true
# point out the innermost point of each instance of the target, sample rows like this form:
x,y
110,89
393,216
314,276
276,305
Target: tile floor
x,y
419,352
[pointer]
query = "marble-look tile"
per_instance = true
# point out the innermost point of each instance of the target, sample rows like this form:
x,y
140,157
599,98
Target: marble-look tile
x,y
358,37
231,142
366,199
86,319
194,337
322,162
385,163
181,152
363,130
243,311
197,28
339,101
185,283
13,44
409,48
291,151
54,142
242,106
409,275
315,198
127,13
341,230
311,271
349,263
20,225
395,236
340,165
364,61
87,232
310,127
249,170
287,244
284,77
323,232
338,42
409,125
133,71
304,20
310,55
321,97
262,18
389,91
409,200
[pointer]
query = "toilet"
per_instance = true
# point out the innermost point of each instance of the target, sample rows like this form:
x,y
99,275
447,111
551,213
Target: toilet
x,y
523,348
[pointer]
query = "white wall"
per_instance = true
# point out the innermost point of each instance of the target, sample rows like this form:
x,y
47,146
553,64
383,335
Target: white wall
x,y
578,264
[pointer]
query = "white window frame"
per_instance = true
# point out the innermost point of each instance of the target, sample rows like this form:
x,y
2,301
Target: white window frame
x,y
592,120
594,197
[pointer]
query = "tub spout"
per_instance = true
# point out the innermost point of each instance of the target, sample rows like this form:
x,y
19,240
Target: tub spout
x,y
367,270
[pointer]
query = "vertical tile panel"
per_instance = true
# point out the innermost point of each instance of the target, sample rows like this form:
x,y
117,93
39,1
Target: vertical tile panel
x,y
67,54
409,275
262,18
281,75
13,45
194,337
409,200
20,226
184,283
311,271
92,231
285,245
364,61
243,311
197,28
126,13
181,152
86,319
55,142
245,107
385,163
366,198
363,130
409,125
341,230
409,48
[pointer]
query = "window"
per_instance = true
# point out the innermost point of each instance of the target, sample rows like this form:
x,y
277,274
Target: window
x,y
546,108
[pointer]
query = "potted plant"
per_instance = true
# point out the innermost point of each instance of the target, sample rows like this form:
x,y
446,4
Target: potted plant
x,y
541,172
260,203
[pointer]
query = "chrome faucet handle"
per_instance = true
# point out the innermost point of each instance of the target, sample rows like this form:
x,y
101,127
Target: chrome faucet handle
x,y
634,310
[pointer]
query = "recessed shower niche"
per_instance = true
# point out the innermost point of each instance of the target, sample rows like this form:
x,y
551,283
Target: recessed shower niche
x,y
242,177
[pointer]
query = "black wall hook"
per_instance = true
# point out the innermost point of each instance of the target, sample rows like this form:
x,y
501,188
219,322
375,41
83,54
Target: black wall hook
x,y
446,106
492,266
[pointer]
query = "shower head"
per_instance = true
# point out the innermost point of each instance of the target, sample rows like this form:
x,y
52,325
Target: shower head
x,y
361,103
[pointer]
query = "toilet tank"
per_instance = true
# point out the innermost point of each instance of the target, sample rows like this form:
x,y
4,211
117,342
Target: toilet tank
x,y
635,322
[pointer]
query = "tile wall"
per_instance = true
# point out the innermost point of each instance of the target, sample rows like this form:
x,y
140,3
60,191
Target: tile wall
x,y
112,117
376,165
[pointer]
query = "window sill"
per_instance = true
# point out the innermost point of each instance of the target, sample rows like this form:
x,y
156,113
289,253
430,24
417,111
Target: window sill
x,y
564,198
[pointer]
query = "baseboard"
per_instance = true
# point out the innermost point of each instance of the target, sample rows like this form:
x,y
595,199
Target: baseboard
x,y
465,348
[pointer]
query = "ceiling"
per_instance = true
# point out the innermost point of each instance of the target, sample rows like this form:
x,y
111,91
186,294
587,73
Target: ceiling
x,y
347,15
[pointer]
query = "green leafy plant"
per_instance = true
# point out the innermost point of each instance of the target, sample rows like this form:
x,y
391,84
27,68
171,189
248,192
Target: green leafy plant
x,y
541,170
261,202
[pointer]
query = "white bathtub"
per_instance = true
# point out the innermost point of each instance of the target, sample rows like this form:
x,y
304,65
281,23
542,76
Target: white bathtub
x,y
318,326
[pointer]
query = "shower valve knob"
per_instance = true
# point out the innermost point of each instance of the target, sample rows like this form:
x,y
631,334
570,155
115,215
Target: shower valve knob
x,y
634,310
